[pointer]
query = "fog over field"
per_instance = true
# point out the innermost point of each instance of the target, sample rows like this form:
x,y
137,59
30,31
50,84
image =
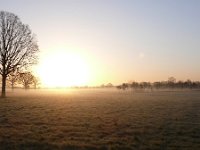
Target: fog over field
x,y
100,74
100,119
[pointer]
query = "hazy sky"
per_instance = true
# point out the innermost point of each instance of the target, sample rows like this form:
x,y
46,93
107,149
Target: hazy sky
x,y
123,40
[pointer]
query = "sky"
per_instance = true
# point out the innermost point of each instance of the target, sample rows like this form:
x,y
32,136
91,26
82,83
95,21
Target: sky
x,y
121,40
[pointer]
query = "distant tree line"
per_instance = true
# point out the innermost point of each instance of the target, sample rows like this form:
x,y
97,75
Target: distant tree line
x,y
25,79
169,84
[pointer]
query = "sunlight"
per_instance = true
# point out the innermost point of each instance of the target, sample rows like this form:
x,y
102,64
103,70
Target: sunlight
x,y
63,69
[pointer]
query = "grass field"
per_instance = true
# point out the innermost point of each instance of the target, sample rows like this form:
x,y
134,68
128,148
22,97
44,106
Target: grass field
x,y
100,119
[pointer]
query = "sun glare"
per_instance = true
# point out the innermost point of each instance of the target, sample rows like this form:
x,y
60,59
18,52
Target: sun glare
x,y
62,69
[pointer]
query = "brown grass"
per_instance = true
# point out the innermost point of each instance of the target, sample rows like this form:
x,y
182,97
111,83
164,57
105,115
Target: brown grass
x,y
100,119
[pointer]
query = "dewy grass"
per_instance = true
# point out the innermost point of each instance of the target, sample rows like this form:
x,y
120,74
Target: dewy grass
x,y
100,119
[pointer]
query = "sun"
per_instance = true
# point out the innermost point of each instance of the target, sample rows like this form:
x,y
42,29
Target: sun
x,y
63,69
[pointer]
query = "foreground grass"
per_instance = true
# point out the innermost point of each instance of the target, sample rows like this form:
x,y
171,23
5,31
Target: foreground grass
x,y
100,119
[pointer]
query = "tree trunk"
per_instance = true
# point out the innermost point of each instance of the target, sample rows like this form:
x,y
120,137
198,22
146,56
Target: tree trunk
x,y
3,91
12,86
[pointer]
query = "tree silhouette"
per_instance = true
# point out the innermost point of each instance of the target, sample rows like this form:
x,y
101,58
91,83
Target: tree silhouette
x,y
18,47
26,79
172,79
171,82
36,82
134,85
13,78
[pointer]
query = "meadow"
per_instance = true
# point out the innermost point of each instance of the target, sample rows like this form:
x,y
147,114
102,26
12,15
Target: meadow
x,y
100,119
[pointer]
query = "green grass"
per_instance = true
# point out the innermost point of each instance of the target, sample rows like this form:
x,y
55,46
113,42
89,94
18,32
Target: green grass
x,y
100,119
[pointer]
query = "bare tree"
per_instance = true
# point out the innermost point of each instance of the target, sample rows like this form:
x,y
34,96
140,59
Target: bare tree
x,y
26,79
13,78
171,82
171,79
36,82
18,47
